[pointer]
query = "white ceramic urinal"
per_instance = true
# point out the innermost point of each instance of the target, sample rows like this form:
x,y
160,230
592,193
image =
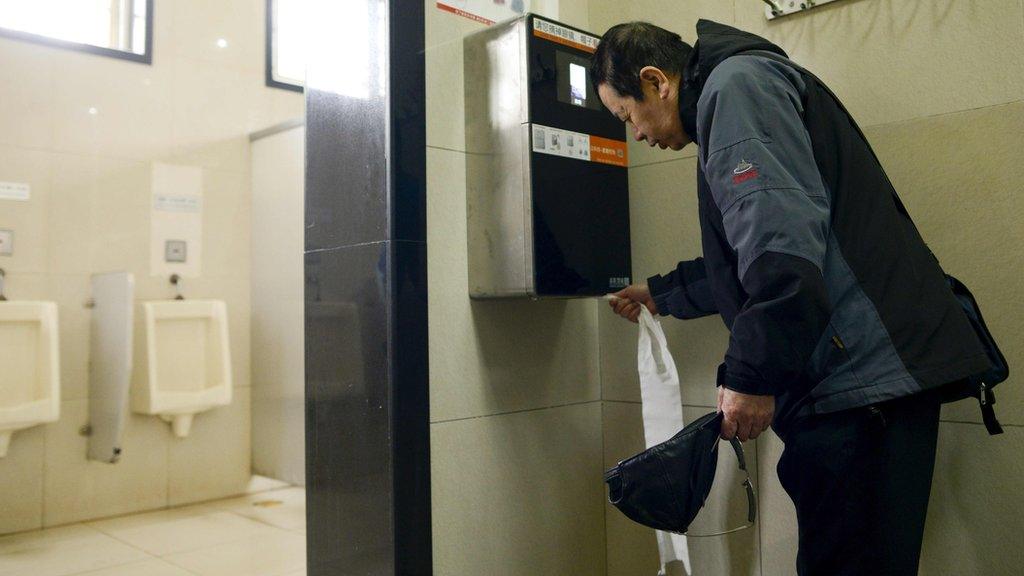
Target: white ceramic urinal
x,y
187,361
29,367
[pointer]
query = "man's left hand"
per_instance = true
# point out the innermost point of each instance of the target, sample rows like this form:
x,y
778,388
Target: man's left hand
x,y
746,415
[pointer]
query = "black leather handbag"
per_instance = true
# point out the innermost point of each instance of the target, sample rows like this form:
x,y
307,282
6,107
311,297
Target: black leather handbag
x,y
665,486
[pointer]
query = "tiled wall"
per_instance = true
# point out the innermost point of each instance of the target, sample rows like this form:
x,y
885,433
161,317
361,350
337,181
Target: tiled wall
x,y
89,213
515,404
937,87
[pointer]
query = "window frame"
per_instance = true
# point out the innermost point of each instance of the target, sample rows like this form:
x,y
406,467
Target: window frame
x,y
145,58
271,81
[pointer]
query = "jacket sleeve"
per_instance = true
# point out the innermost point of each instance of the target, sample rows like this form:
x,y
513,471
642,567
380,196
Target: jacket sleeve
x,y
683,292
775,211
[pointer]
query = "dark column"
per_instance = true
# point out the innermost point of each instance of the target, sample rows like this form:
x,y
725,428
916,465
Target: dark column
x,y
367,409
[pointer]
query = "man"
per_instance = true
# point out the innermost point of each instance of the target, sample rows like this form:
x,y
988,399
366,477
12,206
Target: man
x,y
842,329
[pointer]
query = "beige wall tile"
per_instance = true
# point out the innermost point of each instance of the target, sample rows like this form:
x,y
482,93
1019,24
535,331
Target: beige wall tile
x,y
443,27
213,461
975,510
21,482
71,293
198,25
214,109
79,489
121,208
132,107
27,81
446,124
27,218
642,154
19,286
632,548
227,221
473,368
681,17
778,515
893,60
956,175
511,493
70,213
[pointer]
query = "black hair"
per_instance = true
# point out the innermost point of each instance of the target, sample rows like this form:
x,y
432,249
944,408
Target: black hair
x,y
626,48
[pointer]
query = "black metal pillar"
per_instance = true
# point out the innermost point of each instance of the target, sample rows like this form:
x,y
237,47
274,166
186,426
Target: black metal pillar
x,y
367,409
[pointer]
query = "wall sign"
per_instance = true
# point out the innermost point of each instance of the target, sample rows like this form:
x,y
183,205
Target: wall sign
x,y
486,11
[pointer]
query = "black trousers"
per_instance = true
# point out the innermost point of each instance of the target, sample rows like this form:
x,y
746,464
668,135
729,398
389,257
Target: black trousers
x,y
860,480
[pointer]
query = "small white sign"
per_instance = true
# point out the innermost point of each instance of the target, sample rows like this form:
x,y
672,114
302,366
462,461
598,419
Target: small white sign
x,y
558,142
14,191
177,203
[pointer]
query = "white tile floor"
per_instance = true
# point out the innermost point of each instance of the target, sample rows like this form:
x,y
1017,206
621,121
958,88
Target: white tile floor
x,y
261,534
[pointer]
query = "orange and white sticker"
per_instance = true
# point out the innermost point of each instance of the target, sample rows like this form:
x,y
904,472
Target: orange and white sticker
x,y
608,151
580,146
565,36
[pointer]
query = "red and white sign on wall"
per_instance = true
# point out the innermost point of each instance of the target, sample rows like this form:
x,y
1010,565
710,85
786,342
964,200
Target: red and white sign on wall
x,y
486,11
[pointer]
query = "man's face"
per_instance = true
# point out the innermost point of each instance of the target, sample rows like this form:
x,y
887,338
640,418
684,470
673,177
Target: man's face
x,y
656,117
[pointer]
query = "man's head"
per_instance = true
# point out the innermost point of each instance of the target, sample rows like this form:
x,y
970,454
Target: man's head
x,y
637,70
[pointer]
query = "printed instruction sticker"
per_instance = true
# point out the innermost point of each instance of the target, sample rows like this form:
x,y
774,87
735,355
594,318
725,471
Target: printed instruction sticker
x,y
486,11
558,142
177,203
565,36
14,191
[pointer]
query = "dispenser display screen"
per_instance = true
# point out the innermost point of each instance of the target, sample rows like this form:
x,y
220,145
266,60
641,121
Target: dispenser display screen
x,y
574,81
578,84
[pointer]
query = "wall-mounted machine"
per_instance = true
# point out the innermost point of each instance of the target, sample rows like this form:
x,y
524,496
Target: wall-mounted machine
x,y
547,187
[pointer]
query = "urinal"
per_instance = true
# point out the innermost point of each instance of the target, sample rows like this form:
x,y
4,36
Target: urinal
x,y
187,361
29,367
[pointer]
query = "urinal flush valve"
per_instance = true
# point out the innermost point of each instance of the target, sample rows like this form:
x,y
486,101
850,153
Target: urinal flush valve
x,y
176,281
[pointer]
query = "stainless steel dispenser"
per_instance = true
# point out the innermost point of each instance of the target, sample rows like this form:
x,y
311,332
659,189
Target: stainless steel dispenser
x,y
546,170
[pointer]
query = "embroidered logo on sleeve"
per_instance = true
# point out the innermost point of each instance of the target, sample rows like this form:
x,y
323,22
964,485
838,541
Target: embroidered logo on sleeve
x,y
744,171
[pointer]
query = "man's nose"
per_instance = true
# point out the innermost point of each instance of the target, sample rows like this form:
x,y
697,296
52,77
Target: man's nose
x,y
637,134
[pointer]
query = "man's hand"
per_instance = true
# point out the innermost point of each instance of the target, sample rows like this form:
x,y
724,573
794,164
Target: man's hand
x,y
746,415
628,301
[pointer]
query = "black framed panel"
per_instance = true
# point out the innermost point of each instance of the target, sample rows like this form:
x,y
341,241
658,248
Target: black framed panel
x,y
145,58
367,383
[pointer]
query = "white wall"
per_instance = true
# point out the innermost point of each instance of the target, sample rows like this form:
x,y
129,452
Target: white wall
x,y
278,349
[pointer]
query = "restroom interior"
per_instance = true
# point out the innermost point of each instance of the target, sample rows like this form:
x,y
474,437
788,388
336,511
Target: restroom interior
x,y
519,435
112,158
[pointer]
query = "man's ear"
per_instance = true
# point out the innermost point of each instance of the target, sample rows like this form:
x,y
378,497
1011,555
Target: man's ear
x,y
657,78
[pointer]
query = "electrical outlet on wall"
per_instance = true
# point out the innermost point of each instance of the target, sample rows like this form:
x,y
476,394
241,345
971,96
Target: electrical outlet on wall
x,y
6,242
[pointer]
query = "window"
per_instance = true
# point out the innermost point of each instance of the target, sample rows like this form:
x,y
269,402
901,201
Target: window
x,y
286,61
117,28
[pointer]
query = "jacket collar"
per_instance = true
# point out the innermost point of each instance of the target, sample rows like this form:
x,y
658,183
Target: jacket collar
x,y
715,43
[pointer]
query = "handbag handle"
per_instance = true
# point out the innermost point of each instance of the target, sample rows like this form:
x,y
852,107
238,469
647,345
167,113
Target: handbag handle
x,y
751,496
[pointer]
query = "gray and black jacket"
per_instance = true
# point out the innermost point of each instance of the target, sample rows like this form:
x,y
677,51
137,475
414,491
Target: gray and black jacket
x,y
831,297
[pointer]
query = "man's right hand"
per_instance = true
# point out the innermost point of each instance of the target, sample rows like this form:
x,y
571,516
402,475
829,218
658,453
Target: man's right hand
x,y
628,301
